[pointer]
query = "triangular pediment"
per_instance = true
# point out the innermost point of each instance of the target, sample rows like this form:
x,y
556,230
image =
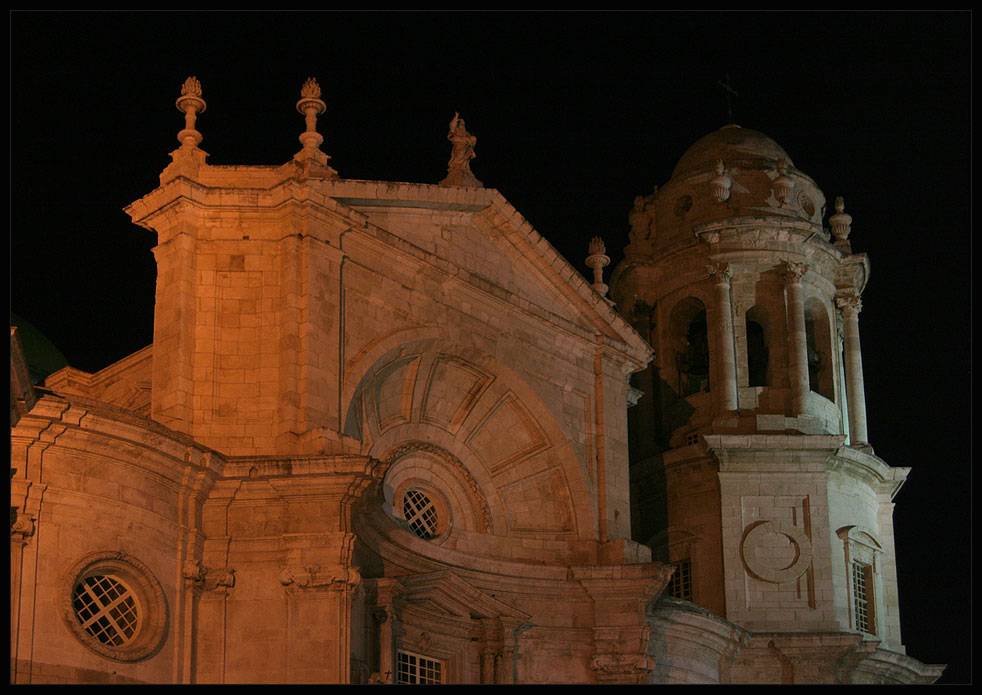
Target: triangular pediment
x,y
479,239
469,236
448,592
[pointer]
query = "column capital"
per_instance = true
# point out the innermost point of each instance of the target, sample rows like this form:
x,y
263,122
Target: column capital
x,y
793,271
720,272
849,303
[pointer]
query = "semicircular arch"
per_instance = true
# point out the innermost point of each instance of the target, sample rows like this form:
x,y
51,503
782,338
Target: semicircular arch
x,y
484,414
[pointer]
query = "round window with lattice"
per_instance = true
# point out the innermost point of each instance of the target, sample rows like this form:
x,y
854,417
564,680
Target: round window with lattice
x,y
116,607
421,514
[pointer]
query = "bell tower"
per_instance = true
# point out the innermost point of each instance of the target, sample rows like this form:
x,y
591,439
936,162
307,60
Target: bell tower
x,y
751,468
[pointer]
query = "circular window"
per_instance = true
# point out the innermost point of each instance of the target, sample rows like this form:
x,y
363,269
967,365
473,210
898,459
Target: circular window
x,y
116,607
420,513
107,609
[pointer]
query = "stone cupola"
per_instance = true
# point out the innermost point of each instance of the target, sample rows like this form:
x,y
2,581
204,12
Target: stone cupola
x,y
736,239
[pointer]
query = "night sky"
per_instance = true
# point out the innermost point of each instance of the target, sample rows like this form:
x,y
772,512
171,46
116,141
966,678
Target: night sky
x,y
575,115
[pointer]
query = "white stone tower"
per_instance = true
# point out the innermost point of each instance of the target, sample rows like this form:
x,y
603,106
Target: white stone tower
x,y
752,470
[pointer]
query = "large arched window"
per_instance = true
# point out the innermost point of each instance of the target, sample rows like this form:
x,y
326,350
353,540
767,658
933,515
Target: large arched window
x,y
690,335
818,338
757,351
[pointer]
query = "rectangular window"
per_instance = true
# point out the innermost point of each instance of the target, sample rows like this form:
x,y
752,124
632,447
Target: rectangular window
x,y
681,586
416,669
862,598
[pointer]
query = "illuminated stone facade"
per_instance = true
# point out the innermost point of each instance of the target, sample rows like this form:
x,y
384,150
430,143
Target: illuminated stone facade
x,y
382,434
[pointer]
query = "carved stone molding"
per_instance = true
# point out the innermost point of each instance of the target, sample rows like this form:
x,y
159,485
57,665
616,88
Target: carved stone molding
x,y
793,271
481,503
849,303
622,668
720,272
755,537
149,596
220,580
312,577
22,528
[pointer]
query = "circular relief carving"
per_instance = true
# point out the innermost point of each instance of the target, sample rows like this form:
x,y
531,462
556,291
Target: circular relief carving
x,y
683,205
776,552
115,606
806,204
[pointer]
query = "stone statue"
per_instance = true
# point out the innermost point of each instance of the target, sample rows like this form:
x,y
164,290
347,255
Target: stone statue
x,y
459,167
642,221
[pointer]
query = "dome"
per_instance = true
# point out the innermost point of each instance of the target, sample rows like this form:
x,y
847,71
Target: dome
x,y
733,145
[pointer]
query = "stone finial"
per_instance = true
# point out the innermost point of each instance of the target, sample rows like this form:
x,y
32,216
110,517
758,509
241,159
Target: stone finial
x,y
311,90
459,167
841,223
311,158
311,106
598,260
783,184
190,104
721,183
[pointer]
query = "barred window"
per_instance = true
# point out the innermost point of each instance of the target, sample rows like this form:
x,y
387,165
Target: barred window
x,y
115,606
420,513
862,598
681,586
416,669
107,609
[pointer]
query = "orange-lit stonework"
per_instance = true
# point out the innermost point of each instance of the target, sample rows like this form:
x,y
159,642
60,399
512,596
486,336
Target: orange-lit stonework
x,y
385,433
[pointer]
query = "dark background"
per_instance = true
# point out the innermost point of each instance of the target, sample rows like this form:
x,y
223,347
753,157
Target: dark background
x,y
575,115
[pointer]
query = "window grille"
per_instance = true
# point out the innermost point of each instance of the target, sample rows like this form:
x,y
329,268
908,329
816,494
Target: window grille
x,y
415,669
106,609
862,598
420,513
681,586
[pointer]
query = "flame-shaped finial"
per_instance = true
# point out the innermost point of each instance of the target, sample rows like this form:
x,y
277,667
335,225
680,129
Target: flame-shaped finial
x,y
311,157
191,87
310,89
598,260
190,104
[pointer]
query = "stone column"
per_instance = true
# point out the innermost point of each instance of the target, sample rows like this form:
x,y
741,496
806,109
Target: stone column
x,y
840,361
855,390
725,383
490,649
797,339
386,592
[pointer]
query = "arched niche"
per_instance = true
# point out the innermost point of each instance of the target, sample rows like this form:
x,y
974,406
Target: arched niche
x,y
759,336
478,424
818,337
689,341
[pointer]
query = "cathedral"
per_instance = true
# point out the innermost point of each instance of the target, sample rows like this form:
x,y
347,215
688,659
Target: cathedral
x,y
386,434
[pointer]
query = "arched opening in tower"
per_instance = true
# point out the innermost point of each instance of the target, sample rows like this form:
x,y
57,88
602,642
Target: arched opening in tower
x,y
757,353
818,340
692,356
